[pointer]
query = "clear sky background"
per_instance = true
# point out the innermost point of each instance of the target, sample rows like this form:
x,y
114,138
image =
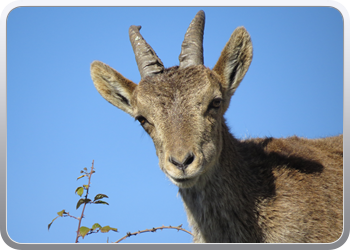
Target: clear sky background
x,y
58,123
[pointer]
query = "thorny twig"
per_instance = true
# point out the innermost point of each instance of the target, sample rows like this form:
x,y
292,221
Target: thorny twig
x,y
82,212
153,230
68,215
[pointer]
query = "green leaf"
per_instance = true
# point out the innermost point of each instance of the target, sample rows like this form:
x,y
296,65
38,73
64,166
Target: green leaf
x,y
79,191
81,201
95,226
100,196
80,176
86,186
61,213
100,202
83,231
106,229
48,228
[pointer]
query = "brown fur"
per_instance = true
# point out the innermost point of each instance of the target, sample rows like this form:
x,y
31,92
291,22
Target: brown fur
x,y
255,190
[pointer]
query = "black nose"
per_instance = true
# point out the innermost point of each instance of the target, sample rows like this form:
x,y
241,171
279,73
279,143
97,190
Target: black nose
x,y
182,165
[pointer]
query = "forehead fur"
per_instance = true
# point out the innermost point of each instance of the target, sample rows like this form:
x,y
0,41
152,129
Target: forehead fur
x,y
175,84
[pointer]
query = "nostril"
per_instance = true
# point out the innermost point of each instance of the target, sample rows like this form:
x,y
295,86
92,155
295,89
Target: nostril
x,y
174,161
189,160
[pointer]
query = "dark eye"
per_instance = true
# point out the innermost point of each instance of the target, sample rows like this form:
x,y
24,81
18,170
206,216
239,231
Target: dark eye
x,y
216,103
142,120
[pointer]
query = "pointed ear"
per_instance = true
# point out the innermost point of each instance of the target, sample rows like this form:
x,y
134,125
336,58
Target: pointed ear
x,y
115,88
234,60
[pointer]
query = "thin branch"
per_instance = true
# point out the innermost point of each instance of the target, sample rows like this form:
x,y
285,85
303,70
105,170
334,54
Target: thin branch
x,y
70,216
153,230
82,212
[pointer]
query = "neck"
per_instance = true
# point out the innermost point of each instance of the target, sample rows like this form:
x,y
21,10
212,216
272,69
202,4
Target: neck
x,y
221,207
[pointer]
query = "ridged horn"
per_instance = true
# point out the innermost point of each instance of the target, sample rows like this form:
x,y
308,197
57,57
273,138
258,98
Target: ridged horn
x,y
192,46
146,59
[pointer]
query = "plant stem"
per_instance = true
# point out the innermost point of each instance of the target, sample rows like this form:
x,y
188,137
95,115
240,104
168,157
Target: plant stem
x,y
153,230
82,212
71,216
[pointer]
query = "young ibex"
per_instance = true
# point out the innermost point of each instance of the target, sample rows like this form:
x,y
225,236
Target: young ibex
x,y
255,190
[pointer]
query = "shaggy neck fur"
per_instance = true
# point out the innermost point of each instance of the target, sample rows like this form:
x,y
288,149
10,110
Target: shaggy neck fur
x,y
223,207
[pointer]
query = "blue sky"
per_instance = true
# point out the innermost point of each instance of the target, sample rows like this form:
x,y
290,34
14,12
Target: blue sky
x,y
58,123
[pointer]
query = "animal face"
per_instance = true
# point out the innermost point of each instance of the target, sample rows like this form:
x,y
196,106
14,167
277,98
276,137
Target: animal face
x,y
182,110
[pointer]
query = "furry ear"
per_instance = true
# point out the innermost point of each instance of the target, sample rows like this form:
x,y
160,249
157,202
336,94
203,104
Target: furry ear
x,y
115,88
234,60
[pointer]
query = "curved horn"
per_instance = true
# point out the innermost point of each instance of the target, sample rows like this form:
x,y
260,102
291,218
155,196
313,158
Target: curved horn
x,y
192,46
146,59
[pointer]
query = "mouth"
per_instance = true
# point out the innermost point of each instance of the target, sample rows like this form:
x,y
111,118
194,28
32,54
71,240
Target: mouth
x,y
184,182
